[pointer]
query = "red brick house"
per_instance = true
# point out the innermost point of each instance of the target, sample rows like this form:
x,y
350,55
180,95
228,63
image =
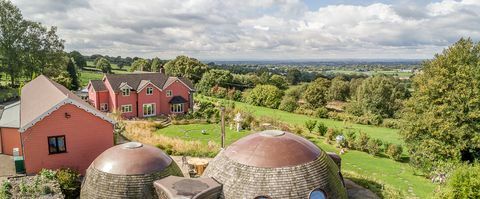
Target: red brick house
x,y
141,94
58,129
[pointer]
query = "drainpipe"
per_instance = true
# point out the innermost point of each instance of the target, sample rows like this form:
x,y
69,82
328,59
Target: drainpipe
x,y
1,141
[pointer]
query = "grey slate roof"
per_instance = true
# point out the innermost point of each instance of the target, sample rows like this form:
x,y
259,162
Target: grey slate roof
x,y
10,116
98,85
138,80
177,100
134,79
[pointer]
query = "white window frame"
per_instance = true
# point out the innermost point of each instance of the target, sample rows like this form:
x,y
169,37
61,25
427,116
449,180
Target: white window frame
x,y
169,93
153,110
126,92
104,107
177,108
128,107
149,89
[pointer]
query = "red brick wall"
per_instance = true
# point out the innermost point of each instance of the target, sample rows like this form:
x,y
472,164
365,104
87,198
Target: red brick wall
x,y
10,138
178,89
103,97
125,100
92,97
143,98
86,137
112,101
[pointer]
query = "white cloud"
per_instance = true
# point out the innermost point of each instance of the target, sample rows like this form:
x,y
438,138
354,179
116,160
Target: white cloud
x,y
269,29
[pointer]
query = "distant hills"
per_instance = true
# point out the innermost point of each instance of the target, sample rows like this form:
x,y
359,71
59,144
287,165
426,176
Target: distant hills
x,y
326,62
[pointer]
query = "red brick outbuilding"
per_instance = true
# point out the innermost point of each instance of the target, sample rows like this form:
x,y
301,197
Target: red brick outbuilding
x,y
58,129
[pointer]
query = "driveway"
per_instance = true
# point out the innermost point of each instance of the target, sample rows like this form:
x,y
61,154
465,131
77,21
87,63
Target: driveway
x,y
7,166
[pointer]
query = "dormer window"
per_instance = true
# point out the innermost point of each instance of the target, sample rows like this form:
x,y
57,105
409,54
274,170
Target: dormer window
x,y
169,93
149,91
126,92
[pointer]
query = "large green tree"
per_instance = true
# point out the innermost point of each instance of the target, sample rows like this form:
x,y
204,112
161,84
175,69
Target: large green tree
x,y
293,76
78,58
442,118
157,64
140,65
316,93
339,90
264,95
104,65
215,77
73,74
379,95
278,81
27,48
184,66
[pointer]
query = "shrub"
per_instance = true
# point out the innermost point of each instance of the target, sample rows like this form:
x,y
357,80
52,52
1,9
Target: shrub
x,y
321,112
391,123
47,174
321,128
5,190
350,139
69,182
464,182
394,151
330,135
310,125
374,146
305,110
288,104
362,142
297,129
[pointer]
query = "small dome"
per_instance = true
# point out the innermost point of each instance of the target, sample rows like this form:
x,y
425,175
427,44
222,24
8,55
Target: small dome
x,y
132,158
262,150
127,171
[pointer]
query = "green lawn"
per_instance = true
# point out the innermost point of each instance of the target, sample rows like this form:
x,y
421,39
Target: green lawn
x,y
194,132
395,174
385,134
86,76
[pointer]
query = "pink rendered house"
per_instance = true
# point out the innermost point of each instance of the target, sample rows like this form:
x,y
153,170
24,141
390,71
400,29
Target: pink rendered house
x,y
141,94
56,128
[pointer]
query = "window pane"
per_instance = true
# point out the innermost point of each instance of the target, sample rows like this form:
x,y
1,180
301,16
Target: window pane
x,y
52,145
61,144
317,194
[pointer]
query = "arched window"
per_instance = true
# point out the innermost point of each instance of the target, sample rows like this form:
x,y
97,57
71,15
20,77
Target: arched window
x,y
263,197
317,194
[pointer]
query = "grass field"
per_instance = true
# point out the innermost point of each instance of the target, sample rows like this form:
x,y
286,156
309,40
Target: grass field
x,y
385,134
194,132
86,76
395,174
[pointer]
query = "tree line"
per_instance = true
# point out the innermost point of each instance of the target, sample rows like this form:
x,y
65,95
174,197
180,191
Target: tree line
x,y
28,49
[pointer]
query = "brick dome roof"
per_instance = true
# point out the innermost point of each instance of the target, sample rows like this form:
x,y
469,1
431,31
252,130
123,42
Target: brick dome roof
x,y
132,158
272,149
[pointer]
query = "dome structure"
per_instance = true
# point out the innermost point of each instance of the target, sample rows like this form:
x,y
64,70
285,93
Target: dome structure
x,y
127,171
276,164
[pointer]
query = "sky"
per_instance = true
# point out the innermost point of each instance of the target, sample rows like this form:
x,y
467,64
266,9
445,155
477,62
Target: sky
x,y
259,29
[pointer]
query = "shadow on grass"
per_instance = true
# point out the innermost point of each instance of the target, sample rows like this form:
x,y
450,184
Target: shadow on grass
x,y
370,185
